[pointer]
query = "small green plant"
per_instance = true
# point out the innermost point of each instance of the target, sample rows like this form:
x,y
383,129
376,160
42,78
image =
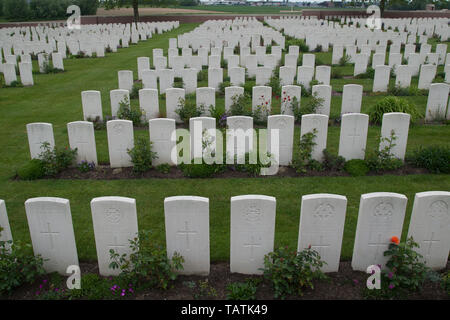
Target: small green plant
x,y
134,94
55,160
128,112
243,290
98,124
254,169
239,105
332,162
202,289
18,265
445,282
202,170
434,158
336,74
392,104
275,84
410,91
86,166
384,159
369,74
356,167
32,170
163,168
291,272
310,107
345,60
188,109
147,266
178,82
303,156
142,155
216,113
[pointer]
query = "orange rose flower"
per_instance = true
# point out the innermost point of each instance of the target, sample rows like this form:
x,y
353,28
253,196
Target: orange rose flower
x,y
395,240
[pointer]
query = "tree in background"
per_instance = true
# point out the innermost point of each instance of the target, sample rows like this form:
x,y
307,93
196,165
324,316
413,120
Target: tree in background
x,y
111,4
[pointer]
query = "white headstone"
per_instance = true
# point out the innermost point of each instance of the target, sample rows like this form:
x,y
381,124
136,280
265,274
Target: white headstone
x,y
81,137
320,123
149,79
323,74
174,96
120,140
305,76
352,98
38,133
231,93
398,123
427,74
322,220
252,232
380,218
381,78
288,93
323,92
26,73
149,103
92,105
187,232
115,224
161,131
285,126
5,233
125,80
51,231
437,101
117,97
353,138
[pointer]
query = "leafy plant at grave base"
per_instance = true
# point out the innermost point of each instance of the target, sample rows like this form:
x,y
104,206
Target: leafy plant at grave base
x,y
290,41
434,158
135,90
305,92
98,124
32,170
202,170
445,282
202,75
243,290
239,105
382,160
303,155
405,272
262,111
320,62
188,109
248,87
163,168
254,169
411,91
57,159
223,63
275,84
142,155
86,166
18,265
147,266
369,74
311,107
217,114
332,162
345,60
14,84
201,289
356,167
392,104
291,272
52,288
127,112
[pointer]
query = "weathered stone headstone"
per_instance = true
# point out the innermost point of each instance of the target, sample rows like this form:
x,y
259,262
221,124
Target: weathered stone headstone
x,y
322,220
120,140
187,232
430,227
252,232
38,133
161,131
115,224
380,217
51,231
353,138
82,138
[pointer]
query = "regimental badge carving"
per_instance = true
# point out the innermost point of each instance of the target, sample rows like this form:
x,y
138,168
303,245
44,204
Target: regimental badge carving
x,y
324,211
113,215
253,213
282,123
384,210
118,128
438,209
239,124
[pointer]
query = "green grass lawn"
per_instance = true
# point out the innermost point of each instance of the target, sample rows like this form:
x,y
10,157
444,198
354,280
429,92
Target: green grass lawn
x,y
56,98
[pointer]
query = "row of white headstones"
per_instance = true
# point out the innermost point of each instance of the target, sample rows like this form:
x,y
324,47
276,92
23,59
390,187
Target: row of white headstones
x,y
24,51
322,219
240,138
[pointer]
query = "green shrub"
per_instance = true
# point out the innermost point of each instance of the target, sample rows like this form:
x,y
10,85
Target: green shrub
x,y
275,84
55,160
356,167
147,265
345,60
127,112
216,113
32,170
382,160
87,7
202,170
48,9
336,74
163,168
16,9
18,265
85,166
332,162
201,289
310,107
392,104
434,158
188,109
243,290
303,155
239,105
445,282
399,91
142,155
253,169
135,90
369,74
291,272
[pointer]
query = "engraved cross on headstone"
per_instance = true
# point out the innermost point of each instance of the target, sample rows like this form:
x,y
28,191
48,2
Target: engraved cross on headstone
x,y
377,244
320,247
50,234
430,243
354,135
186,232
252,245
115,244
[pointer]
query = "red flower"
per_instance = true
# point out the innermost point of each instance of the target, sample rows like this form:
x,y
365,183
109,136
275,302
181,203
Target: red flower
x,y
395,240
